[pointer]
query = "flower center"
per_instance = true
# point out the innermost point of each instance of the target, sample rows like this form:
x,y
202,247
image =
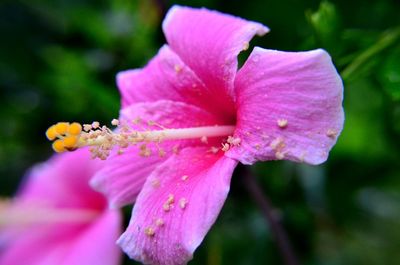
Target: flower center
x,y
15,214
102,140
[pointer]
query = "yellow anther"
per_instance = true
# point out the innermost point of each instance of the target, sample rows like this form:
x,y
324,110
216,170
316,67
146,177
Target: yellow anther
x,y
70,141
58,146
61,127
75,128
51,133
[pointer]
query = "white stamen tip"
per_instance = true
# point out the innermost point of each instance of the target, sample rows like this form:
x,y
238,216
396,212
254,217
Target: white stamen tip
x,y
225,147
87,127
95,125
115,122
235,141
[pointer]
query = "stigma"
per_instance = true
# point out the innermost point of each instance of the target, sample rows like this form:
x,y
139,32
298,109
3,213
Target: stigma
x,y
65,136
101,139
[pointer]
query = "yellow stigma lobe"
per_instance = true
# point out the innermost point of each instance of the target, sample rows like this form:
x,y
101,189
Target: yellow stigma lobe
x,y
61,127
66,136
75,128
58,146
70,141
51,133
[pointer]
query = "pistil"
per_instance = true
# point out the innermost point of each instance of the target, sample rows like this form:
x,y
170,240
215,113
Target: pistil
x,y
157,136
102,140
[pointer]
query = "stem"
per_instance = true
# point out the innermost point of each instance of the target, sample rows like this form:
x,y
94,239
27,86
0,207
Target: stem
x,y
386,40
266,207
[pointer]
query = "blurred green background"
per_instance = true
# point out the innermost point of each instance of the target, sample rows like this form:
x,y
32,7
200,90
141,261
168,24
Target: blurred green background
x,y
58,60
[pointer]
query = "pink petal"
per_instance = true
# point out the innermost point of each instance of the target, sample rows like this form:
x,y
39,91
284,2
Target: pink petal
x,y
209,42
40,246
166,77
67,244
96,245
289,106
124,175
63,182
197,200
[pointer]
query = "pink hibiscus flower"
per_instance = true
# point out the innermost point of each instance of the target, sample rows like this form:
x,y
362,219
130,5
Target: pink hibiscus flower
x,y
56,218
190,116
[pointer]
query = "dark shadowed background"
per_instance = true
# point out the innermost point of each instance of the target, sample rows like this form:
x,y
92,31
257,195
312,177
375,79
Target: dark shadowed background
x,y
58,60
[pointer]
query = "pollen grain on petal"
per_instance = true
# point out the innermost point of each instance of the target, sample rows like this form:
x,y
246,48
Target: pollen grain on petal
x,y
213,149
182,203
282,123
233,141
245,46
144,151
178,68
161,152
149,231
160,222
277,143
171,199
155,183
331,133
167,207
279,155
303,156
175,149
